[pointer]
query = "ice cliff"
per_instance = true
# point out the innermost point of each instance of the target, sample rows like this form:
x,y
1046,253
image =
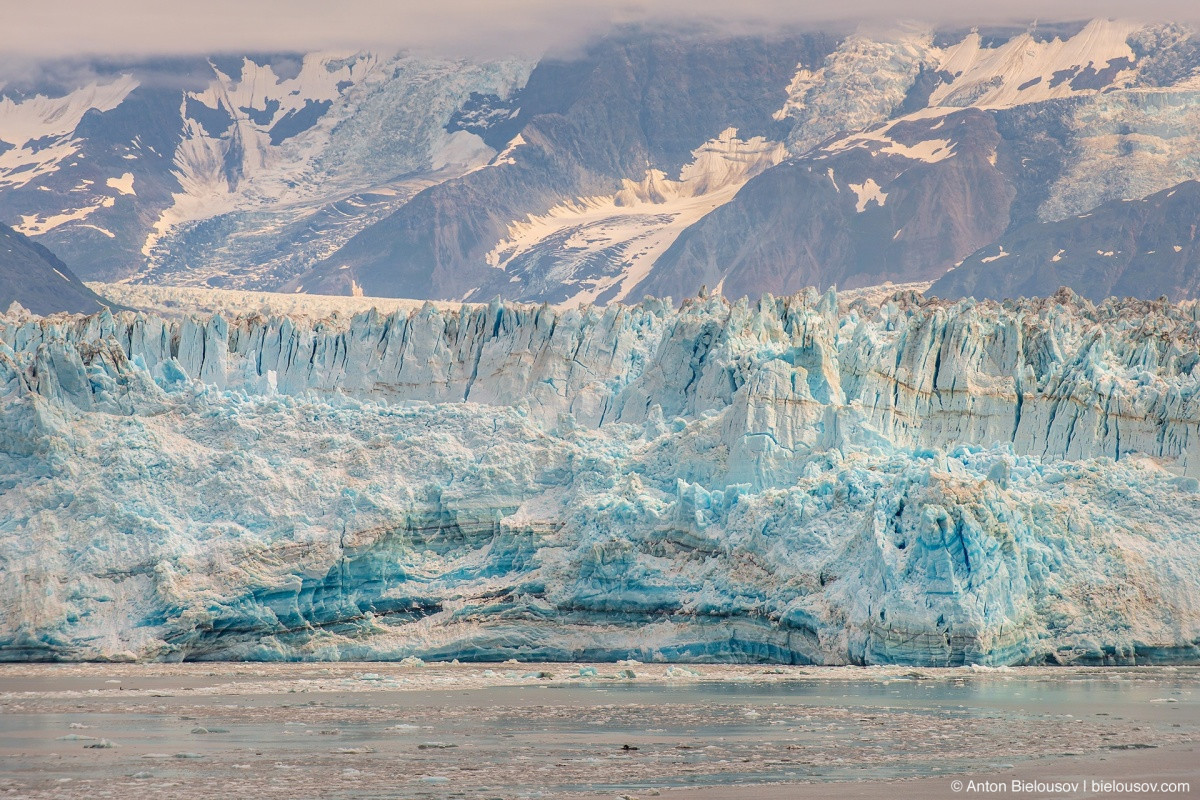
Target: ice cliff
x,y
800,479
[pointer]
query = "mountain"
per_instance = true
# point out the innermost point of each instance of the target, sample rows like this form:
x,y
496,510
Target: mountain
x,y
593,156
1126,248
798,480
649,162
34,277
892,158
897,209
229,170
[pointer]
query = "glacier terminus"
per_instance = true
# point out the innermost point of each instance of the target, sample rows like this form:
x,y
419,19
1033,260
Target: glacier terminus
x,y
814,479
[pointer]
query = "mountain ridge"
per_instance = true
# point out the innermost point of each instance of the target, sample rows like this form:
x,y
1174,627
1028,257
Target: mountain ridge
x,y
611,173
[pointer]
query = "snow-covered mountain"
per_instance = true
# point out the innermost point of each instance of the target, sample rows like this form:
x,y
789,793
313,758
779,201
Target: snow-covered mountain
x,y
903,156
230,170
809,479
650,163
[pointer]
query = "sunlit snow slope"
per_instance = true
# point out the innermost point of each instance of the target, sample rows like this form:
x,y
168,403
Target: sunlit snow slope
x,y
798,480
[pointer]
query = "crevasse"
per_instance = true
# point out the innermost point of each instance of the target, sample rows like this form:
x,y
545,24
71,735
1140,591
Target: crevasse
x,y
797,479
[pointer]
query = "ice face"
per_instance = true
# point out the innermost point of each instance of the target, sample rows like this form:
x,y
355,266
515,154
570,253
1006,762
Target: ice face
x,y
798,479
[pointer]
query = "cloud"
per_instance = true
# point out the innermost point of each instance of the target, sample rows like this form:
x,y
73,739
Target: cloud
x,y
467,27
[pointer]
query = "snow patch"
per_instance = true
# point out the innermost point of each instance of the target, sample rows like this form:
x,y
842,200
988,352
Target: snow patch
x,y
123,184
505,155
869,192
930,151
35,224
461,149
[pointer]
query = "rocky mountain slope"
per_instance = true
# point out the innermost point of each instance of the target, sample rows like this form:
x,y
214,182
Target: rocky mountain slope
x,y
799,480
652,162
1138,248
35,278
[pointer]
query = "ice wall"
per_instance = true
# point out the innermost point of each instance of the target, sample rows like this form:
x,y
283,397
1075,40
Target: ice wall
x,y
789,480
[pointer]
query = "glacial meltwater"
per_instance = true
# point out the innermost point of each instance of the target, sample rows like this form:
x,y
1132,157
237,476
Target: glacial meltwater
x,y
580,730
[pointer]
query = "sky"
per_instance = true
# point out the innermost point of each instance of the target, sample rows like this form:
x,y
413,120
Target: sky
x,y
467,27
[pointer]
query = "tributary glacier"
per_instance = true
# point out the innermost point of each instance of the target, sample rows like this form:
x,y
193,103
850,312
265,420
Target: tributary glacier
x,y
801,480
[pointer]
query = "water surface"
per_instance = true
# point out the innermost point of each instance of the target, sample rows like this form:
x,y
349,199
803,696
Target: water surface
x,y
525,731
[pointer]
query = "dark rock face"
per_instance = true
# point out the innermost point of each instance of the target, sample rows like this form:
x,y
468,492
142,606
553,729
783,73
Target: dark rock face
x,y
1138,248
34,277
434,245
852,216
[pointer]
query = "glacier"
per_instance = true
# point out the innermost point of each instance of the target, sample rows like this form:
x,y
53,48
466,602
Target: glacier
x,y
813,479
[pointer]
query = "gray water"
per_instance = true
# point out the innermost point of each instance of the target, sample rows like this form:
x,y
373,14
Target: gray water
x,y
374,731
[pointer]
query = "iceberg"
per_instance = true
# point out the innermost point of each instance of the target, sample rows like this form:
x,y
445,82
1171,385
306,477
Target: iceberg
x,y
811,479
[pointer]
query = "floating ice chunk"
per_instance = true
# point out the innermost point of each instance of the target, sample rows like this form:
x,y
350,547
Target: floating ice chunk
x,y
682,672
